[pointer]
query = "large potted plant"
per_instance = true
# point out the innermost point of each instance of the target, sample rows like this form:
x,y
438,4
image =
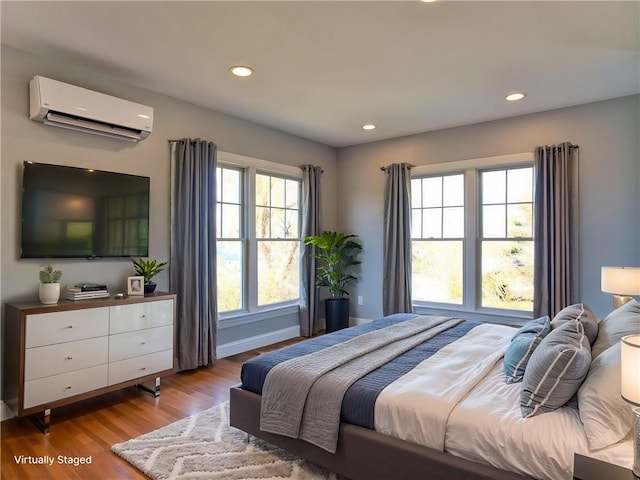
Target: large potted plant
x,y
337,254
49,291
148,269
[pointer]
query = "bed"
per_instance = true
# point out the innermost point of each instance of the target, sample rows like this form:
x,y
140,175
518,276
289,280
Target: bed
x,y
440,404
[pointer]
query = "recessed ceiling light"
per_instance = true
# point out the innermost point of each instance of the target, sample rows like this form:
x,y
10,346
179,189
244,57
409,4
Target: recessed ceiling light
x,y
241,71
368,126
427,1
513,97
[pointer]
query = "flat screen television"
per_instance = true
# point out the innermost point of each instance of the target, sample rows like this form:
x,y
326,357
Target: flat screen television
x,y
70,212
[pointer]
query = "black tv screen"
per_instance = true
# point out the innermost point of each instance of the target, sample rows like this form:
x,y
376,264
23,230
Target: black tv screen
x,y
70,212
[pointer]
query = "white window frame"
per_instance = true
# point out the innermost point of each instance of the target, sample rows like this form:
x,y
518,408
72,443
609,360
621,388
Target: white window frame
x,y
251,312
472,283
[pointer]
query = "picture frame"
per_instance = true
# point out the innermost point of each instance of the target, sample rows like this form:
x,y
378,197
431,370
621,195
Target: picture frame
x,y
135,285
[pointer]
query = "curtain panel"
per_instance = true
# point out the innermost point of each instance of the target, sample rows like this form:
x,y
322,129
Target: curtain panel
x,y
555,229
193,250
396,284
311,225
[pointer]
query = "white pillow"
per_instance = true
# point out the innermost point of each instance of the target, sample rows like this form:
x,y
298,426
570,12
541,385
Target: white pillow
x,y
606,417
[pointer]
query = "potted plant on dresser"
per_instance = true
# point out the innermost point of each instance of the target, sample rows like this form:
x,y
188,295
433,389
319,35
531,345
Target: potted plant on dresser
x,y
148,269
337,253
49,291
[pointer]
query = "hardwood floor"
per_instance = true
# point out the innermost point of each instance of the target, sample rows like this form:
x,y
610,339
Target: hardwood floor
x,y
89,428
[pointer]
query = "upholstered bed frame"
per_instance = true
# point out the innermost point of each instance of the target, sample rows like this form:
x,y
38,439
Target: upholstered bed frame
x,y
365,454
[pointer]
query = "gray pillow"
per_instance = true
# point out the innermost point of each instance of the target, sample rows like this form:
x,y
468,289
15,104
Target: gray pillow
x,y
556,369
581,312
624,320
522,346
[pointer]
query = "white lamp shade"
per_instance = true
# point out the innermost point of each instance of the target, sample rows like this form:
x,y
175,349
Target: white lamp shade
x,y
630,365
621,280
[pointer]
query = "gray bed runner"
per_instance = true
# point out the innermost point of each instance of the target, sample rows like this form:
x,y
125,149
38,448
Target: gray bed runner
x,y
302,397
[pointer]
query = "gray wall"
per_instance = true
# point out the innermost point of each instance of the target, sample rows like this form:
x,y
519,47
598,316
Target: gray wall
x,y
24,139
608,134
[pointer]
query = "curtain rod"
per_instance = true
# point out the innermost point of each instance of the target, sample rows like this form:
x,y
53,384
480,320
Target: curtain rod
x,y
191,141
384,169
302,167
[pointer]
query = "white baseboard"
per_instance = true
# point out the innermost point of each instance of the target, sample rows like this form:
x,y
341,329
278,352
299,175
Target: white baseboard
x,y
258,341
5,412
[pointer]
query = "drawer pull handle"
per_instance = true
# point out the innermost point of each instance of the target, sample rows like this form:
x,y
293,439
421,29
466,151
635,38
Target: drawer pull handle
x,y
142,342
143,368
143,316
69,358
68,387
69,326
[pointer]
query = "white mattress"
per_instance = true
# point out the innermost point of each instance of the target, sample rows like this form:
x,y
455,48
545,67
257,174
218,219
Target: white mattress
x,y
440,402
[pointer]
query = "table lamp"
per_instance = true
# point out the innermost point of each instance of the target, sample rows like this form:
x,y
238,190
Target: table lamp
x,y
621,282
630,389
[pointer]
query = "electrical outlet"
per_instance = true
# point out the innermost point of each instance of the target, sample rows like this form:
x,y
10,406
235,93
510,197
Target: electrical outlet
x,y
360,300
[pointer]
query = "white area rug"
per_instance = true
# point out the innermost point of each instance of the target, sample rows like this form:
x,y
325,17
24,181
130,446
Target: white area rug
x,y
204,446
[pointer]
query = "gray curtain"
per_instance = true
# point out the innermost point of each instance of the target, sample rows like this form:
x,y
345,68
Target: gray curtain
x,y
555,229
396,286
193,250
310,296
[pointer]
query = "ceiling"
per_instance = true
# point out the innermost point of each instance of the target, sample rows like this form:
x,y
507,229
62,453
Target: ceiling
x,y
323,69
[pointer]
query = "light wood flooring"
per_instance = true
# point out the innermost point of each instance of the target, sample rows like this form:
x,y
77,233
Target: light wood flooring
x,y
90,427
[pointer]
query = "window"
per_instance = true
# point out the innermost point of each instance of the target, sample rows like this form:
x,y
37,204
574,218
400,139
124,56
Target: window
x,y
472,234
258,239
437,212
278,238
230,236
507,238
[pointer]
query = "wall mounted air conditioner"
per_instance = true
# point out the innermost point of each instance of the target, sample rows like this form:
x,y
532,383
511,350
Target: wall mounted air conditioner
x,y
67,106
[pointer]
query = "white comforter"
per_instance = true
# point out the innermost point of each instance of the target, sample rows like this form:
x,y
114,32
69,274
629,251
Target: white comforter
x,y
461,389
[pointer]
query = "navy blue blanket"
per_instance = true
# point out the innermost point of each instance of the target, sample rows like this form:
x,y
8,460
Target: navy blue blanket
x,y
358,403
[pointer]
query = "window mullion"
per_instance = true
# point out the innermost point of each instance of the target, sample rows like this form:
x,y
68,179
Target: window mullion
x,y
251,252
471,259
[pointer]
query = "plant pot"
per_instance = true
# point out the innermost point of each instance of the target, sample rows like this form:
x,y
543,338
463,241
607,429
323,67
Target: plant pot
x,y
150,287
49,293
336,314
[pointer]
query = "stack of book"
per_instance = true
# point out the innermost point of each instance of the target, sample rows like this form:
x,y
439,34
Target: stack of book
x,y
84,291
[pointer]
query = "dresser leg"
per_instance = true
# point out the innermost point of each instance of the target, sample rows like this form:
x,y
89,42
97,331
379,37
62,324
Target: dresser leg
x,y
153,391
42,422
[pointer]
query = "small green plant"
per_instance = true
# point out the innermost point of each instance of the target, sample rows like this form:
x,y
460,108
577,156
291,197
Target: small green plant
x,y
147,268
49,275
337,253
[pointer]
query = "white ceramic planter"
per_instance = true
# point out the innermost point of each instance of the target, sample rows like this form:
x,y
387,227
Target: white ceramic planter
x,y
49,293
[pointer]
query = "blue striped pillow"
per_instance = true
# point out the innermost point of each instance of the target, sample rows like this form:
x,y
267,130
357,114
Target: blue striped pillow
x,y
522,346
556,369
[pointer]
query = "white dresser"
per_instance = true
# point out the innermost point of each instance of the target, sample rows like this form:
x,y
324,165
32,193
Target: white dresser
x,y
59,354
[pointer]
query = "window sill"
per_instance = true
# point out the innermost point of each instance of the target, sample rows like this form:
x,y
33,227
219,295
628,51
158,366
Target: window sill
x,y
504,317
242,318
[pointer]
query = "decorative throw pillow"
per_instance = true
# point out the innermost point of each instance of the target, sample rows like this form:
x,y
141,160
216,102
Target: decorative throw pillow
x,y
624,320
556,369
581,312
522,346
606,417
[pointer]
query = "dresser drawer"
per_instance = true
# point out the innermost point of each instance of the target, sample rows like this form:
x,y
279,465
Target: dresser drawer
x,y
140,342
140,366
65,357
56,387
58,327
126,318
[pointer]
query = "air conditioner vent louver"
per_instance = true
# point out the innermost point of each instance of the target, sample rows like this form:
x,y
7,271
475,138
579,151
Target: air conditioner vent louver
x,y
67,106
